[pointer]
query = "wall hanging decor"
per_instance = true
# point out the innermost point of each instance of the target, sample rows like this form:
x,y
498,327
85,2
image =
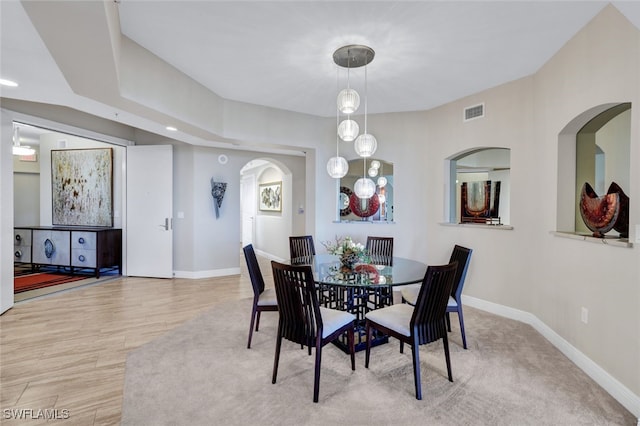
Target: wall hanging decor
x,y
602,214
217,192
82,187
271,197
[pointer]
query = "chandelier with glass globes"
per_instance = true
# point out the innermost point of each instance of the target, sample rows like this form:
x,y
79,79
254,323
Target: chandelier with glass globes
x,y
348,102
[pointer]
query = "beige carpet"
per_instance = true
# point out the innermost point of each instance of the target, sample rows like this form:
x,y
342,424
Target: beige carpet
x,y
202,374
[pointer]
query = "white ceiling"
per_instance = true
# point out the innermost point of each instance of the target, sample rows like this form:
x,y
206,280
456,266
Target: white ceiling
x,y
428,53
279,54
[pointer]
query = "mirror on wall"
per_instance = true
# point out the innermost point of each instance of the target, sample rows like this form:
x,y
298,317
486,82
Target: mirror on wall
x,y
378,208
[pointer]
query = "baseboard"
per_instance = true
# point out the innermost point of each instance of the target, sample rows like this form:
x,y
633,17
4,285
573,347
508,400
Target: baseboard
x,y
221,272
269,256
616,389
206,274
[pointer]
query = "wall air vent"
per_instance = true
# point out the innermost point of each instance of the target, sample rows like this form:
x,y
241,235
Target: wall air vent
x,y
473,112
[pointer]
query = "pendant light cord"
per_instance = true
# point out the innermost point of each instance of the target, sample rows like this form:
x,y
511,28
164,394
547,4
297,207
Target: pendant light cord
x,y
337,112
366,96
364,169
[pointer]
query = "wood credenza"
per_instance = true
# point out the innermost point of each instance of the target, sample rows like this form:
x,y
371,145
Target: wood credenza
x,y
73,247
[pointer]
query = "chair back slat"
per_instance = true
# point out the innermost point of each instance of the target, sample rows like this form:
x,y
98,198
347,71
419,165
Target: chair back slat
x,y
462,255
301,247
300,318
257,281
428,319
380,249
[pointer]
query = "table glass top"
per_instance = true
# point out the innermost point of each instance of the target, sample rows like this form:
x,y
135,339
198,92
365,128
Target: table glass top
x,y
327,270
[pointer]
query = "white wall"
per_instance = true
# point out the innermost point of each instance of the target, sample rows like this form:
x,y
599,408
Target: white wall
x,y
605,55
402,140
205,246
6,211
613,138
26,191
529,268
504,177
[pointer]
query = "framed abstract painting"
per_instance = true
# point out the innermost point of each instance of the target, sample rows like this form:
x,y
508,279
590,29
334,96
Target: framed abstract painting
x,y
271,197
82,187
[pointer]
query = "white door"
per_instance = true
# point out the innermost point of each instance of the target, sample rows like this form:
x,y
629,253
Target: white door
x,y
149,211
248,207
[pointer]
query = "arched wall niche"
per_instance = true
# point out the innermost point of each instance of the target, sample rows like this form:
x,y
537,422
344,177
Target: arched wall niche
x,y
475,167
357,169
594,147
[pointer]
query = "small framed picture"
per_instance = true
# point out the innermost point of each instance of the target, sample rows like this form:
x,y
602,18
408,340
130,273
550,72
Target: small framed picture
x,y
271,197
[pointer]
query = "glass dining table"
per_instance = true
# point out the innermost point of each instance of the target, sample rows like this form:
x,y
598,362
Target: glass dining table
x,y
363,289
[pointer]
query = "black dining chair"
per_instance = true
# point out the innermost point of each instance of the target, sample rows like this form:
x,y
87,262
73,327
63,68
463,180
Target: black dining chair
x,y
303,321
463,256
301,247
263,300
380,250
419,325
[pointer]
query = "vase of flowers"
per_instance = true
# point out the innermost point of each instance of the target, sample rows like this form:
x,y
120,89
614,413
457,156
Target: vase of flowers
x,y
349,252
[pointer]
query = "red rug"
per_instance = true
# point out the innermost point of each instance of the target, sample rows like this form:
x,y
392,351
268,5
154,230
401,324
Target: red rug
x,y
42,280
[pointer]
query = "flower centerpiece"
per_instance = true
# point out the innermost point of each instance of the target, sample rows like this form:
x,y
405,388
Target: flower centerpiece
x,y
349,252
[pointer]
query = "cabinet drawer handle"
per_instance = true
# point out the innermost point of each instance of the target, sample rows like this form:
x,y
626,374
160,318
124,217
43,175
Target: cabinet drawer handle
x,y
81,258
49,248
81,240
18,254
18,237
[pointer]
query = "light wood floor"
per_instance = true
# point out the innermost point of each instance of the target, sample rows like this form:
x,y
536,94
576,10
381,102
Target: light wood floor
x,y
68,351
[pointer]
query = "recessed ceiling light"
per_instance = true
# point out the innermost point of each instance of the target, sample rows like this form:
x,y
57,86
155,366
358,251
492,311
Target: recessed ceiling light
x,y
171,129
8,83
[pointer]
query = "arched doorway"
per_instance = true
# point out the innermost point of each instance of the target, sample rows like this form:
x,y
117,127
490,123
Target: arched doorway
x,y
266,206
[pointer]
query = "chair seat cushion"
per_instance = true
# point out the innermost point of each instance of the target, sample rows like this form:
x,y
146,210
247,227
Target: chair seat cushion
x,y
410,293
394,317
452,303
333,320
267,298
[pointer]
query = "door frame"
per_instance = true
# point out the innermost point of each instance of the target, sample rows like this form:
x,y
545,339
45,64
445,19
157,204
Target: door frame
x,y
6,217
249,180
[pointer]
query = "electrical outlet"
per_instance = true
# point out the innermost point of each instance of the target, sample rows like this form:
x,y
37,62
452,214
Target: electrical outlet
x,y
584,315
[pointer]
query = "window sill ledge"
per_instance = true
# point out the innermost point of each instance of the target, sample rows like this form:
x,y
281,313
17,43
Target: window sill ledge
x,y
370,222
477,225
609,241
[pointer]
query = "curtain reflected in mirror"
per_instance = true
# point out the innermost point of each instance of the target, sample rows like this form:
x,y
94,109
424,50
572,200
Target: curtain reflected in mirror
x,y
378,208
